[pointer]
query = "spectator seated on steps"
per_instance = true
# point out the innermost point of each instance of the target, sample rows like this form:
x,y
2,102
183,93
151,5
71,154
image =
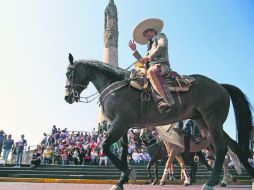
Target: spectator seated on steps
x,y
76,156
57,156
36,159
47,155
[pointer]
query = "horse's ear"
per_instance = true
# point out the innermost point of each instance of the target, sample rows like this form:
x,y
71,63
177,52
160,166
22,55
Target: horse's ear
x,y
71,59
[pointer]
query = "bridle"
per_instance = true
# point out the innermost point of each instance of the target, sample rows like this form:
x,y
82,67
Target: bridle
x,y
72,87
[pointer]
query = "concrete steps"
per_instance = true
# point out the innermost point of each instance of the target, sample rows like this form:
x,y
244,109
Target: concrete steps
x,y
94,172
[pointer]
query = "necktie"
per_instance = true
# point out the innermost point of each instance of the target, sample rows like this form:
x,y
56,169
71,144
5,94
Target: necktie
x,y
150,45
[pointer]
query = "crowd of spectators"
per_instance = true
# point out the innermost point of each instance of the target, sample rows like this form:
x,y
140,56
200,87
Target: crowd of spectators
x,y
65,147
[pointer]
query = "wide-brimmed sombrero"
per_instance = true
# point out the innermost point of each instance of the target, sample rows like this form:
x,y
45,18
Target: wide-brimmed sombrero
x,y
152,23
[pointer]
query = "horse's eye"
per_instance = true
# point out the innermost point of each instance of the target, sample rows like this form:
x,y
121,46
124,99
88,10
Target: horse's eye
x,y
68,74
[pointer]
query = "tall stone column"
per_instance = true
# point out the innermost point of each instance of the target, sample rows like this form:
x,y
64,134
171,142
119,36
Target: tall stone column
x,y
110,49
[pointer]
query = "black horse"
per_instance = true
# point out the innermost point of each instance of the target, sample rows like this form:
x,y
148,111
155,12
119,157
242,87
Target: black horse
x,y
207,102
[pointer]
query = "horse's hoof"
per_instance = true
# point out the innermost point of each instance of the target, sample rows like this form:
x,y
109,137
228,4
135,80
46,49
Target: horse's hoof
x,y
162,182
154,182
187,182
150,180
234,179
115,187
207,187
223,185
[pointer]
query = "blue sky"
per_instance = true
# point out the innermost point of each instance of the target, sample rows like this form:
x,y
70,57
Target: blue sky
x,y
214,38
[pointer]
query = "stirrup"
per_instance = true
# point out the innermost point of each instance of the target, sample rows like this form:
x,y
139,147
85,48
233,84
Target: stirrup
x,y
163,107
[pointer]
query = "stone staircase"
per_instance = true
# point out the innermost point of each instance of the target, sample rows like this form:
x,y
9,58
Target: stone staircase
x,y
89,172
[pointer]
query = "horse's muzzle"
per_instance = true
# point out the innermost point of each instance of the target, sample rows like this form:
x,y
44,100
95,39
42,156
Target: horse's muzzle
x,y
68,97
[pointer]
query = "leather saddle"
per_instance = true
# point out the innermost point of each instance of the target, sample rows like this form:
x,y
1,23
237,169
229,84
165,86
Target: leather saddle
x,y
173,80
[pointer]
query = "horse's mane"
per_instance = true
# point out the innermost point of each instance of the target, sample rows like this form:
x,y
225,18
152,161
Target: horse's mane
x,y
116,72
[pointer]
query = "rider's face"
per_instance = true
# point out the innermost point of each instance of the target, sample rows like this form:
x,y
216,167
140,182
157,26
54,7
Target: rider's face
x,y
149,34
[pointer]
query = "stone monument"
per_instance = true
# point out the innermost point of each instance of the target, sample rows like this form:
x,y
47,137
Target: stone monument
x,y
110,51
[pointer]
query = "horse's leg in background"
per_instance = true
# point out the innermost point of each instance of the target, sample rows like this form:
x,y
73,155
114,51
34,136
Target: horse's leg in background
x,y
203,160
154,162
172,172
183,170
118,127
155,169
148,168
236,161
171,156
193,166
226,175
240,154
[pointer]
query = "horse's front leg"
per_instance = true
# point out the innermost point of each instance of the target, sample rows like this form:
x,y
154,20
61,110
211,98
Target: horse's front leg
x,y
118,129
124,144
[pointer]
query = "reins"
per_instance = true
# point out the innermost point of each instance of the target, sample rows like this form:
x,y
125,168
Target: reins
x,y
86,99
94,94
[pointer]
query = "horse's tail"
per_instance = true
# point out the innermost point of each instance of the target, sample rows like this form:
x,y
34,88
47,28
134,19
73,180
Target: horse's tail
x,y
243,117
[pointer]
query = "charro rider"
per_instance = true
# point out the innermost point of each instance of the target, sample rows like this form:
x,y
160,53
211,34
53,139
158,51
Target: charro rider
x,y
156,61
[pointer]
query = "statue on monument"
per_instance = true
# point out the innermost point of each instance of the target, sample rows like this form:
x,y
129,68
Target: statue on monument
x,y
110,25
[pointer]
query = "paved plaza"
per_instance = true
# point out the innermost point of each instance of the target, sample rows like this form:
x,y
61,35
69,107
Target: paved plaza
x,y
62,186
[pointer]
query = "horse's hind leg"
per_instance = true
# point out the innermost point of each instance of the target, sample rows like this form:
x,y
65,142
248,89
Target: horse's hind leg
x,y
118,128
218,140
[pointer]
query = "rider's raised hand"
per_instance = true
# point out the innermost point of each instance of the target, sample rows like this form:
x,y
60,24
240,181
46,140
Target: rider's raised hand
x,y
132,45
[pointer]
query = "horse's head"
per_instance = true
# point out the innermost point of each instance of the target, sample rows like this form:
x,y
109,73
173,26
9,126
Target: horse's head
x,y
146,136
76,81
